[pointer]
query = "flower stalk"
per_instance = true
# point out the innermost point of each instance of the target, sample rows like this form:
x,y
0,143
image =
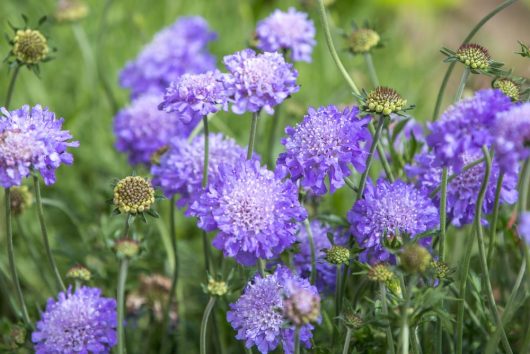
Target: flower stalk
x,y
204,323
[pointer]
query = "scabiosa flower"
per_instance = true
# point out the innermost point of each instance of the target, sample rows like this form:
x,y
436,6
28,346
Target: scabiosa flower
x,y
141,129
524,226
259,81
462,191
31,138
389,210
512,136
323,145
195,95
180,170
178,49
79,322
465,127
254,211
363,40
257,314
291,30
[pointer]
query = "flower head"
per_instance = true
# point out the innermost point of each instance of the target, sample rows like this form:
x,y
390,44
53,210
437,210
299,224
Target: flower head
x,y
79,272
465,127
323,146
31,138
29,46
216,287
257,314
141,129
524,227
133,194
509,87
474,55
254,211
302,306
389,210
180,170
79,322
291,30
178,49
258,81
415,258
380,272
363,40
384,100
71,10
20,199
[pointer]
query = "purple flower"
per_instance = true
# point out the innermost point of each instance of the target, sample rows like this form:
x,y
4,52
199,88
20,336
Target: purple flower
x,y
463,190
259,81
389,210
323,145
257,314
524,226
326,273
195,95
81,322
466,126
32,138
512,136
254,211
181,167
178,49
291,30
142,129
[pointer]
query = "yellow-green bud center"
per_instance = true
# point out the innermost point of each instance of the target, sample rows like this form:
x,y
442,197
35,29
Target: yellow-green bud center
x,y
133,195
384,100
217,288
79,272
30,46
337,255
508,87
474,56
380,272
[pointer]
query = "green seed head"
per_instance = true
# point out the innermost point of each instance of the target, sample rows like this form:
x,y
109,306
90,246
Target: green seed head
x,y
440,269
127,248
30,46
217,288
133,195
337,255
71,10
21,199
474,56
415,258
363,40
380,273
79,272
508,87
384,100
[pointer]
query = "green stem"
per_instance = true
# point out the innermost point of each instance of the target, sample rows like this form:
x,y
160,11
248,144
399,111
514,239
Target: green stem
x,y
454,175
44,233
261,267
252,135
482,251
371,69
297,340
350,184
272,136
312,247
496,207
206,152
347,341
11,87
121,304
204,323
11,256
462,85
441,249
384,309
470,36
381,153
369,158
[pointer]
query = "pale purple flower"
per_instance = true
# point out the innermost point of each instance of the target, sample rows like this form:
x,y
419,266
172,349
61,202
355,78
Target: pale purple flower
x,y
31,138
524,226
258,81
254,210
512,136
79,322
322,147
291,31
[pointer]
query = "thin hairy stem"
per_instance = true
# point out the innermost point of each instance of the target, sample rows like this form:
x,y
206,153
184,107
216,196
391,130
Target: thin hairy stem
x,y
312,247
272,136
462,85
11,87
495,218
297,340
204,323
121,304
347,341
371,69
369,158
252,135
441,250
454,175
384,311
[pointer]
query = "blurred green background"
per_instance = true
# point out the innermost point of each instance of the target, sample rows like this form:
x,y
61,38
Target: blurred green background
x,y
91,53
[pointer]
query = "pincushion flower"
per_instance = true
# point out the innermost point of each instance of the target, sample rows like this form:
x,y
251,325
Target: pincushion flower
x,y
31,138
512,136
180,170
257,314
258,81
524,226
462,191
466,126
178,49
195,95
389,210
254,210
141,129
79,322
291,30
323,146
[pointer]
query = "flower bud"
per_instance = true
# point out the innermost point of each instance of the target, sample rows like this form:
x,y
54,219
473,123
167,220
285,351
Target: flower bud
x,y
380,273
29,46
384,100
79,272
71,10
363,40
21,199
474,56
415,258
216,288
17,336
337,255
440,269
352,319
133,195
127,248
302,307
508,87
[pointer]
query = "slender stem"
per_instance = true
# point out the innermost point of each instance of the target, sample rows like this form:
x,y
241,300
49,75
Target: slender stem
x,y
312,247
204,323
441,250
206,152
121,304
11,87
338,300
252,135
44,233
470,36
11,256
371,69
454,175
347,341
462,85
382,155
350,184
370,157
496,207
272,136
297,340
332,50
482,251
524,187
261,267
384,309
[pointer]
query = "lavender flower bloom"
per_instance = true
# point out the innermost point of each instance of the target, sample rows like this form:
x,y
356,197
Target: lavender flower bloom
x,y
462,191
254,211
389,210
465,127
195,95
81,322
524,226
32,138
259,81
257,314
291,30
178,49
323,145
512,136
142,129
181,167
326,273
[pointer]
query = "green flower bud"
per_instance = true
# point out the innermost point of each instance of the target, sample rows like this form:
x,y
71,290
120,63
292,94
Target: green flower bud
x,y
127,248
17,336
21,199
79,272
71,10
363,40
380,273
337,255
508,87
216,288
133,195
29,46
384,100
415,258
474,56
352,319
440,269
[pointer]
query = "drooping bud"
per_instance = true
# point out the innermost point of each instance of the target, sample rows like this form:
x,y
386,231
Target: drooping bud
x,y
71,10
217,288
133,195
337,255
380,273
21,199
384,100
302,307
29,46
474,56
127,248
415,258
79,272
508,87
363,40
